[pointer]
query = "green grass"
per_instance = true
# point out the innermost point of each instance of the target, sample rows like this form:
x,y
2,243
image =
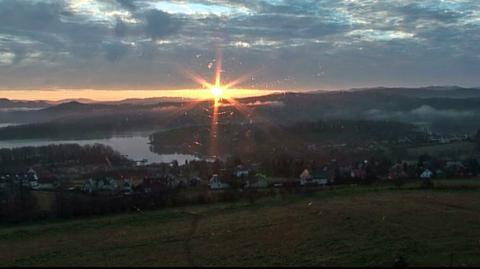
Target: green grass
x,y
343,226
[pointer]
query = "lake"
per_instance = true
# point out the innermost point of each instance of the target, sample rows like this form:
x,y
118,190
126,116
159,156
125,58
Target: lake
x,y
8,124
133,147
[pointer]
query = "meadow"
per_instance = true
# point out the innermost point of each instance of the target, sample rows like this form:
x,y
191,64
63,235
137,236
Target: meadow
x,y
339,226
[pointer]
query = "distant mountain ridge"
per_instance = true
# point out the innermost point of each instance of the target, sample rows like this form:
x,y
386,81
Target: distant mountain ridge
x,y
148,101
419,92
75,106
12,103
7,103
427,92
438,108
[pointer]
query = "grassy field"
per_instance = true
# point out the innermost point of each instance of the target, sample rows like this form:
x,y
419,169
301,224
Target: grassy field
x,y
456,150
352,225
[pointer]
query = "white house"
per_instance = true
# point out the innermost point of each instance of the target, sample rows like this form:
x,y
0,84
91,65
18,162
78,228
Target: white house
x,y
106,184
426,174
305,175
89,186
28,179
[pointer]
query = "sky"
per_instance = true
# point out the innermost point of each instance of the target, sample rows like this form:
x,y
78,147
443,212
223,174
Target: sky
x,y
83,46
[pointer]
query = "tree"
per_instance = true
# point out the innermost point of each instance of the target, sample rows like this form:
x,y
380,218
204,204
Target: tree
x,y
477,140
17,202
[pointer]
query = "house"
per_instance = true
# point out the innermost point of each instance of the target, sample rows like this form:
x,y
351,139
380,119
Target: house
x,y
305,175
32,179
89,186
31,175
100,185
160,183
317,177
241,171
215,183
3,182
142,162
397,171
320,176
194,181
426,174
107,184
28,179
46,179
358,173
127,186
454,165
260,181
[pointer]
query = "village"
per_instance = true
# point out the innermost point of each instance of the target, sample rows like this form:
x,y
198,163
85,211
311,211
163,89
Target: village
x,y
54,186
127,177
218,175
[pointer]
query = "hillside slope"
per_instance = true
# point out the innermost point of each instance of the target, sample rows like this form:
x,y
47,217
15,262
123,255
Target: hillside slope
x,y
351,226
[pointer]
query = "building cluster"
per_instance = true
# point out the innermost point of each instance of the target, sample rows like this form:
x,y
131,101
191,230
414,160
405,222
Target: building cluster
x,y
27,179
216,176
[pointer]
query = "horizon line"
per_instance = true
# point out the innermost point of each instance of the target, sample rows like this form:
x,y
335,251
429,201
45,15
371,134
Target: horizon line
x,y
113,95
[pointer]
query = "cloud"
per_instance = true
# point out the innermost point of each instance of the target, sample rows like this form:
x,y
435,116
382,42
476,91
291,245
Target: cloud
x,y
34,15
428,112
120,29
127,4
297,44
421,113
115,51
267,103
424,11
19,51
159,24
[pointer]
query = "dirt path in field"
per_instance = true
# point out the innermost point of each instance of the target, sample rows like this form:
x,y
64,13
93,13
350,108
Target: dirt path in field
x,y
189,237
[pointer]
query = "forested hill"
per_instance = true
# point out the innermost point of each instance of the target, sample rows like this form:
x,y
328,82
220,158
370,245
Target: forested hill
x,y
265,138
440,109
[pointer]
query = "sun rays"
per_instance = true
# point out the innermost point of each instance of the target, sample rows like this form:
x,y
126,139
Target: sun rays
x,y
219,92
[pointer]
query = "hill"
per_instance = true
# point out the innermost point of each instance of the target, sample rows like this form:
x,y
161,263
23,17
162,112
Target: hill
x,y
263,140
429,92
440,110
8,105
150,101
350,226
445,110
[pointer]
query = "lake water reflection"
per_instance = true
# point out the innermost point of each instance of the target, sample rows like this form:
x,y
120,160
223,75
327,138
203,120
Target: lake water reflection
x,y
134,147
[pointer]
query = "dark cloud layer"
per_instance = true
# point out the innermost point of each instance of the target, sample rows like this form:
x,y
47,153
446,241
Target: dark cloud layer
x,y
159,24
296,44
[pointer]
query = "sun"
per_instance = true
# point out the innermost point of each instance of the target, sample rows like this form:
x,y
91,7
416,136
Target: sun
x,y
217,92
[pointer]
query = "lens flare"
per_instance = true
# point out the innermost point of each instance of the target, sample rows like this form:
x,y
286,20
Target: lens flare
x,y
217,92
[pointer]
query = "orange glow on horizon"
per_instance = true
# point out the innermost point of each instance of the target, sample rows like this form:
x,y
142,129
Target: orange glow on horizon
x,y
117,95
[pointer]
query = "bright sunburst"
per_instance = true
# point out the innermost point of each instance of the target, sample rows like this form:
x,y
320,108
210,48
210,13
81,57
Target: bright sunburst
x,y
217,92
216,89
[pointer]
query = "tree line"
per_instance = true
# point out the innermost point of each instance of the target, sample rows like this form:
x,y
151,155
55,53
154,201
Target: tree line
x,y
86,154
